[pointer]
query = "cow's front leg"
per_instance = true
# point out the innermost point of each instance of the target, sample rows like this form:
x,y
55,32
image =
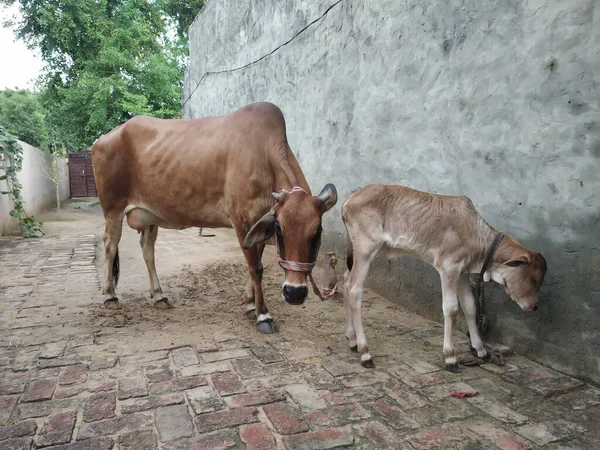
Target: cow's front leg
x,y
450,308
264,321
249,294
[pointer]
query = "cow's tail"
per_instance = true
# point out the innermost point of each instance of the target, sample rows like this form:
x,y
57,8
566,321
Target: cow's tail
x,y
116,269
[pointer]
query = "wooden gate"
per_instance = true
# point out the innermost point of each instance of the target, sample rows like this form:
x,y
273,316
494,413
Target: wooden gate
x,y
81,175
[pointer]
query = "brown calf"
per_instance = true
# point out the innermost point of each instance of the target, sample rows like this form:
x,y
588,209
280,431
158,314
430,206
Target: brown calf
x,y
444,231
214,172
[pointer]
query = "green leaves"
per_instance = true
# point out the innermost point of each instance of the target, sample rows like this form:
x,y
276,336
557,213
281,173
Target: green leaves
x,y
11,162
106,61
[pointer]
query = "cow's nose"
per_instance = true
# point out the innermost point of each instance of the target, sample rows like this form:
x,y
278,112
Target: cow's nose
x,y
294,295
535,308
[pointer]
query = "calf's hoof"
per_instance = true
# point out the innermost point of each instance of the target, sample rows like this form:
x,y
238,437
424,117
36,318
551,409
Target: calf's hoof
x,y
112,303
250,313
354,348
267,326
163,303
368,364
452,368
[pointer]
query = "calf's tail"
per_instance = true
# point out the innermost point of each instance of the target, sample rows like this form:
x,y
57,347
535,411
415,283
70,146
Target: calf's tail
x,y
349,254
116,269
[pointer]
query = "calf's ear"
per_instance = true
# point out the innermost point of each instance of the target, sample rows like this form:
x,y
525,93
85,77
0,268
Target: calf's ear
x,y
328,197
261,230
518,261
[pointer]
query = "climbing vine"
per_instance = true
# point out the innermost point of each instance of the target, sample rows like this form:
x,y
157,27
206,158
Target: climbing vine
x,y
11,163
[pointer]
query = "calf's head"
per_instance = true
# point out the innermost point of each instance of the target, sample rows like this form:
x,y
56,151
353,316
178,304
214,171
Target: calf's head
x,y
295,220
521,273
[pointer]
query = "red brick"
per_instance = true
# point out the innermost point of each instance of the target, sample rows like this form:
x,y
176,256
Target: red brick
x,y
322,439
178,384
158,372
403,395
228,383
337,416
131,387
17,430
207,345
204,399
364,379
173,422
351,395
99,406
257,436
218,440
119,424
445,436
64,361
247,367
107,362
69,391
143,404
57,429
228,418
551,387
99,443
73,374
254,399
102,387
392,414
267,354
39,390
285,418
47,407
379,435
13,383
138,440
22,443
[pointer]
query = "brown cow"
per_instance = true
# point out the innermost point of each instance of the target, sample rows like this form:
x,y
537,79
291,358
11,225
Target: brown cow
x,y
446,232
214,172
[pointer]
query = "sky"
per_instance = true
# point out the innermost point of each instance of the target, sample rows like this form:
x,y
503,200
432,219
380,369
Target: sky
x,y
20,66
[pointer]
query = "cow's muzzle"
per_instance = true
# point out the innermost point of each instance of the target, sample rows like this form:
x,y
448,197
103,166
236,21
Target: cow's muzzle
x,y
294,295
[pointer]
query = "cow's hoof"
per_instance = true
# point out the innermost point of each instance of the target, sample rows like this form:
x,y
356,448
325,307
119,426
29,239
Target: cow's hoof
x,y
112,303
163,303
250,313
368,363
267,326
354,348
452,368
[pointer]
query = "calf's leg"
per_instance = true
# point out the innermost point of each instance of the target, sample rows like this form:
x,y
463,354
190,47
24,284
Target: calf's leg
x,y
450,308
147,242
350,331
363,256
467,303
112,235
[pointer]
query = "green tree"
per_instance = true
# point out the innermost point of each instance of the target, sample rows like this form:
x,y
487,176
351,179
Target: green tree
x,y
106,61
22,115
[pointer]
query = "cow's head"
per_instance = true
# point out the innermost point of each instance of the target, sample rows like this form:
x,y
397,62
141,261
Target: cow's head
x,y
520,272
295,220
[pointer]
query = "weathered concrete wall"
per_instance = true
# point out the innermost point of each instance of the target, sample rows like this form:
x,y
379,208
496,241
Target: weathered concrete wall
x,y
499,101
38,191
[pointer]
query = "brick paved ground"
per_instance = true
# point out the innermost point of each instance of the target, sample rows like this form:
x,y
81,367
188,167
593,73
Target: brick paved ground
x,y
76,376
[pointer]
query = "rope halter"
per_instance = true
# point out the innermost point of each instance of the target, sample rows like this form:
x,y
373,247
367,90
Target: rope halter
x,y
303,267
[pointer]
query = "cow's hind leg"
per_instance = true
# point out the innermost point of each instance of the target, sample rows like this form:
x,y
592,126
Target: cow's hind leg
x,y
364,252
147,242
249,294
112,236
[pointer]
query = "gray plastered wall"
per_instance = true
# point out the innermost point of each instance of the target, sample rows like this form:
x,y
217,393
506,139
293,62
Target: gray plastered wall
x,y
498,101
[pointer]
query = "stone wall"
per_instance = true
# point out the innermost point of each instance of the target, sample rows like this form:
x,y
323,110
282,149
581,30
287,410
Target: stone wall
x,y
499,101
38,191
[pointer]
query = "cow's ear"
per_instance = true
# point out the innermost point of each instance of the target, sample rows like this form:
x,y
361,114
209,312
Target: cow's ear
x,y
328,197
519,261
261,230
